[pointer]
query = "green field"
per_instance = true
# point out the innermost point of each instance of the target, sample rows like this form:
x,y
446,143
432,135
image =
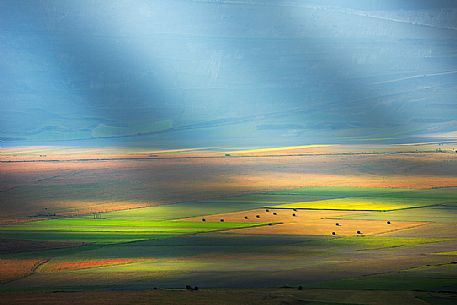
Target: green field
x,y
343,198
167,251
355,198
429,278
184,210
439,214
111,230
379,242
344,191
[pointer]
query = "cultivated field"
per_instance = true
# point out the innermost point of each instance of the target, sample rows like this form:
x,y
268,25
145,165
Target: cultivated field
x,y
244,229
308,222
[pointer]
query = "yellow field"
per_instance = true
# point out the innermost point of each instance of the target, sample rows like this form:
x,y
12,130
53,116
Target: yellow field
x,y
353,204
277,149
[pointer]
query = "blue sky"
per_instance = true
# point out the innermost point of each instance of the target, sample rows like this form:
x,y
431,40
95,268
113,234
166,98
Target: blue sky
x,y
183,73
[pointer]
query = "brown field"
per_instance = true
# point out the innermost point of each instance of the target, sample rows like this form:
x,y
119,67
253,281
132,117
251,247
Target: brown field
x,y
12,220
12,269
56,266
309,222
446,230
71,187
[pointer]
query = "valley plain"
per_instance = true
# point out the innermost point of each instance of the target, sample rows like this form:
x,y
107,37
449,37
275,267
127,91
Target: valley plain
x,y
298,226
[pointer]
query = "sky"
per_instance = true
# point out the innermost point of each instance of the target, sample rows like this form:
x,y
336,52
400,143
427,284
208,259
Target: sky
x,y
227,73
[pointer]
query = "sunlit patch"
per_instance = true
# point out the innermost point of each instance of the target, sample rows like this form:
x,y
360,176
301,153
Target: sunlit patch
x,y
359,204
92,263
61,153
452,253
308,222
276,149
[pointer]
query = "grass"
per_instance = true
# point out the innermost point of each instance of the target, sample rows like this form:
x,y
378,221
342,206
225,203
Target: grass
x,y
337,197
345,191
183,210
426,278
395,282
111,230
59,265
377,242
151,246
454,252
438,214
151,265
346,198
116,224
89,237
444,195
358,204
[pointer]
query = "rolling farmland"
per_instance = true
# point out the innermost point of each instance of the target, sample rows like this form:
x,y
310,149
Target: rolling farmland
x,y
326,235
